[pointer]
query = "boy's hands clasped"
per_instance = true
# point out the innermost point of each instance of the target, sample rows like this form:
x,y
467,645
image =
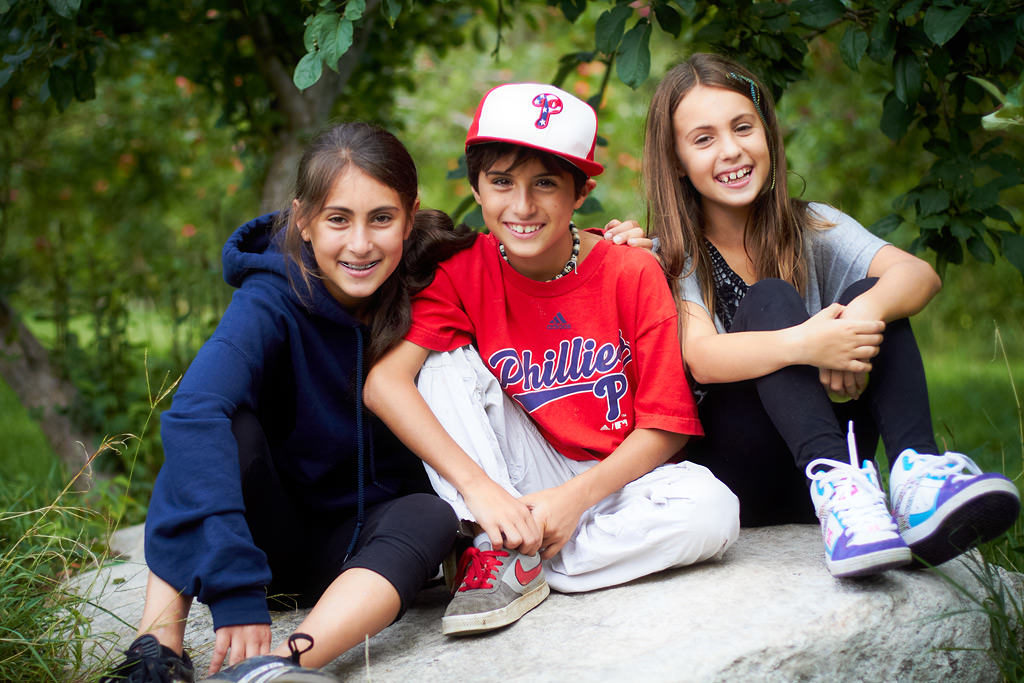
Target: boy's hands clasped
x,y
541,521
557,513
505,519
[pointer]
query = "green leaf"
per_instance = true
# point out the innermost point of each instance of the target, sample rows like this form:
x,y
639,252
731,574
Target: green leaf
x,y
308,70
392,10
460,171
354,9
941,24
960,229
688,6
883,39
590,205
16,59
908,10
323,26
668,19
768,46
84,85
1002,44
984,197
884,226
464,206
336,44
818,13
65,8
572,9
567,64
895,117
475,218
979,250
634,63
62,87
1001,214
932,200
310,35
610,26
933,223
852,46
990,88
1013,250
908,77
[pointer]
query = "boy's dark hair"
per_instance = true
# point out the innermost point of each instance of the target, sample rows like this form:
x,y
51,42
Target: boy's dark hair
x,y
482,157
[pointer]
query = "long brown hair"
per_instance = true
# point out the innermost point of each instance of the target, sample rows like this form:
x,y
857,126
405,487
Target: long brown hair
x,y
433,238
773,236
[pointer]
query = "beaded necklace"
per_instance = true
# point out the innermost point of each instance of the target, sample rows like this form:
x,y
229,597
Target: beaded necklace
x,y
570,265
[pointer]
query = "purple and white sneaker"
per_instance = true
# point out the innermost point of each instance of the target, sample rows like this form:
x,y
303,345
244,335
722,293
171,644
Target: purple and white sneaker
x,y
860,534
943,510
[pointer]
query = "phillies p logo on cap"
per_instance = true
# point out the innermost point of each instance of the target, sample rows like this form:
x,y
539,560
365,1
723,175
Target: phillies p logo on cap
x,y
549,105
539,116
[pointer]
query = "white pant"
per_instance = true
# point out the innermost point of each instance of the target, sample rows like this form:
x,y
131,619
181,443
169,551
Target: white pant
x,y
675,515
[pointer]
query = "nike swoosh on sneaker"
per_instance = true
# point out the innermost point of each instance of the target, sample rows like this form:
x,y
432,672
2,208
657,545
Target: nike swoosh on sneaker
x,y
524,576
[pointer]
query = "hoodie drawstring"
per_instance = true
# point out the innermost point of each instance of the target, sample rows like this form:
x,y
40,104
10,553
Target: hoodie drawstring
x,y
360,439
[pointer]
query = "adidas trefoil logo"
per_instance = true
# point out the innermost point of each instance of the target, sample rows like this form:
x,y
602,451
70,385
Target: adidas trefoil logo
x,y
559,323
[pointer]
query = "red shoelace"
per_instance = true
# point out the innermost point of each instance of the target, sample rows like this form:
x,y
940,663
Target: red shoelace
x,y
477,567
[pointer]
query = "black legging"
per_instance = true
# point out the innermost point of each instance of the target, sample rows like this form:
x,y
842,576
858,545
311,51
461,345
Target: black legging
x,y
761,433
403,539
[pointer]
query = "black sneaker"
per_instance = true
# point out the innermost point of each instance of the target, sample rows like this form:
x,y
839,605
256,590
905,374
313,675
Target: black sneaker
x,y
147,661
274,669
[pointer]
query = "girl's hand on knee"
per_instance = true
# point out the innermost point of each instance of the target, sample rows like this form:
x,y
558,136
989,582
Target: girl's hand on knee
x,y
828,341
628,232
241,642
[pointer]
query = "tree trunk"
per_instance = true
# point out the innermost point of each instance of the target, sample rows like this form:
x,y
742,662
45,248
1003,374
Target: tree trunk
x,y
25,365
304,112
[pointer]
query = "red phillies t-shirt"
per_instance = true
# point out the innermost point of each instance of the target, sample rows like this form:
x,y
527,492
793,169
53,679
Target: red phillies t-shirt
x,y
590,356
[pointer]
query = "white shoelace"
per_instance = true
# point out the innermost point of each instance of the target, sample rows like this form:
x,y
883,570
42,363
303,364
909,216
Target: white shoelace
x,y
948,464
858,500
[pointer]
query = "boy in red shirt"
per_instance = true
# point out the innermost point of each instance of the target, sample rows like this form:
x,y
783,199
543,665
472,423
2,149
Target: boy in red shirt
x,y
542,383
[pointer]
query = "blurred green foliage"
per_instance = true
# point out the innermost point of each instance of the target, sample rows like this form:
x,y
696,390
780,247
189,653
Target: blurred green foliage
x,y
113,211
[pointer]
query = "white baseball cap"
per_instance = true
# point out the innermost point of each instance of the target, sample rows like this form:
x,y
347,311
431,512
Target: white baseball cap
x,y
539,116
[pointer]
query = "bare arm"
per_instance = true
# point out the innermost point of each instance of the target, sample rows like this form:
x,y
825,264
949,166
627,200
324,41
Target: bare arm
x,y
825,340
905,286
558,509
390,392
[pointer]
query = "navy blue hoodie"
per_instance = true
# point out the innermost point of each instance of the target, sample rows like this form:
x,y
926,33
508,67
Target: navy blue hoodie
x,y
295,367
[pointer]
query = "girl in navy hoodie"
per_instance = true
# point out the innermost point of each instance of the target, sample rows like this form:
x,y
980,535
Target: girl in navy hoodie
x,y
278,486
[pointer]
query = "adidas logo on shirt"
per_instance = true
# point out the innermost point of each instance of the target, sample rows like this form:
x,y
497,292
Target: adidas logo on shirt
x,y
559,323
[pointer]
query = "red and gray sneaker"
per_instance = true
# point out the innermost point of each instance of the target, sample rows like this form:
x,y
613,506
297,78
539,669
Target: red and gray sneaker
x,y
496,588
945,504
147,661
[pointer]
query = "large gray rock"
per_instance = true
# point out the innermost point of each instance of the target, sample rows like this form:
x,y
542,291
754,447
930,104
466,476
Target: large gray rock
x,y
769,611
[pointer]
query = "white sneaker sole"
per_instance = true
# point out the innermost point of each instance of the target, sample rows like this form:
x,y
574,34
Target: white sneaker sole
x,y
863,565
467,624
978,513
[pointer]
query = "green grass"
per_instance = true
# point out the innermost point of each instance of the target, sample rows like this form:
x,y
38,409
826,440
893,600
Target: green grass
x,y
24,451
975,409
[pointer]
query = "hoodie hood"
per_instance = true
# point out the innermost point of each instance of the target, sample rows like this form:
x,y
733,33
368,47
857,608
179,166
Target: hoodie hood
x,y
255,250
